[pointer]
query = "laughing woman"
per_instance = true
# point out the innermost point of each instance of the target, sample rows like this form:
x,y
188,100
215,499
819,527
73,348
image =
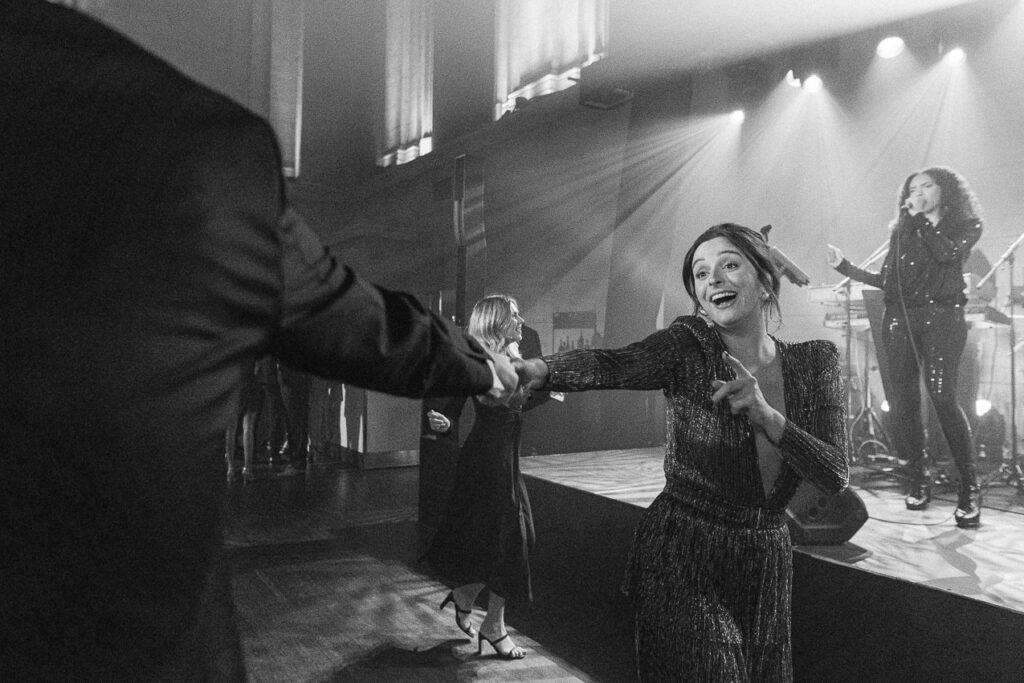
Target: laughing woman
x,y
749,417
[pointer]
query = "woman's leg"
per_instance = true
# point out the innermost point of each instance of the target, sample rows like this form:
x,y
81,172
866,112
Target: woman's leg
x,y
904,384
464,596
664,653
944,345
229,448
493,629
249,446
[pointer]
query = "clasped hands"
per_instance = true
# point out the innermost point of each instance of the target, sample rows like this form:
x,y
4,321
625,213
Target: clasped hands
x,y
512,378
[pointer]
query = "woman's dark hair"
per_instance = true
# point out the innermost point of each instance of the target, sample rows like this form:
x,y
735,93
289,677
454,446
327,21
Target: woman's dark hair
x,y
960,203
753,246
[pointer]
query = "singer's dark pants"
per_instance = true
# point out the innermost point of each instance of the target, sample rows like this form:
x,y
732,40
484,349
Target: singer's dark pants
x,y
928,341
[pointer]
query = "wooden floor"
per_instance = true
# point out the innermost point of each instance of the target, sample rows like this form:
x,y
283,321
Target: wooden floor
x,y
328,588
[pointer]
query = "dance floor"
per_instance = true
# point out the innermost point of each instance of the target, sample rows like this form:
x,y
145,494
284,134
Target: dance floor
x,y
328,589
328,586
923,547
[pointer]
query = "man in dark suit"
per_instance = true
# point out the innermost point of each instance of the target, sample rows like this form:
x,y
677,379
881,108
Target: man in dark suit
x,y
529,345
148,256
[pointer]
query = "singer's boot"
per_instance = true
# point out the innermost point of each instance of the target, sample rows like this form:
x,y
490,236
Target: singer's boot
x,y
968,508
918,492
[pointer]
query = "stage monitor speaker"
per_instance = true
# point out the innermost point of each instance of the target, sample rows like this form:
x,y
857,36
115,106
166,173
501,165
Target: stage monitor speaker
x,y
815,518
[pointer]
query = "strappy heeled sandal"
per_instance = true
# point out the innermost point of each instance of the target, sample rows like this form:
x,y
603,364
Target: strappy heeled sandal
x,y
468,628
515,653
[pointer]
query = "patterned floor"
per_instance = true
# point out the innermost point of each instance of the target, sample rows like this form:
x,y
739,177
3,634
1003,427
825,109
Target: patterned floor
x,y
328,588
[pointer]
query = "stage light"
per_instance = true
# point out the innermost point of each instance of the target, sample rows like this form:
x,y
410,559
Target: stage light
x,y
791,79
956,56
990,434
813,83
885,406
737,116
890,47
982,406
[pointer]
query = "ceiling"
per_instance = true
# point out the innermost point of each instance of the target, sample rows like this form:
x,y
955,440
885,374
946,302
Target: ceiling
x,y
651,35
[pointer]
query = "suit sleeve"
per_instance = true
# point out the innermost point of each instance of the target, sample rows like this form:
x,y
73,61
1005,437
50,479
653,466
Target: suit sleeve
x,y
335,324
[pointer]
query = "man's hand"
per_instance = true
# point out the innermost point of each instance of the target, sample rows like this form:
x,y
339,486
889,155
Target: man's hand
x,y
505,380
533,373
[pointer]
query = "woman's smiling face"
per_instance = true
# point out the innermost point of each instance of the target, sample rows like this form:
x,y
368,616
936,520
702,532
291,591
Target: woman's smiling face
x,y
726,283
514,330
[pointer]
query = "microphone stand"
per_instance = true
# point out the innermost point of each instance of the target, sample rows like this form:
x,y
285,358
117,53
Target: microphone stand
x,y
852,449
1015,475
846,286
874,441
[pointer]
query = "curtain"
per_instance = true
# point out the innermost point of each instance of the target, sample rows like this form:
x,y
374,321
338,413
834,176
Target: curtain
x,y
408,120
275,87
542,45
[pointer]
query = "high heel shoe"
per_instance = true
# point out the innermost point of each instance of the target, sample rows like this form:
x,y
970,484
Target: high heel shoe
x,y
515,653
968,509
468,628
919,497
919,494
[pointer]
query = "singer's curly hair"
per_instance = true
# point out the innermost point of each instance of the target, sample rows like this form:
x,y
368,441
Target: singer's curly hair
x,y
752,245
960,202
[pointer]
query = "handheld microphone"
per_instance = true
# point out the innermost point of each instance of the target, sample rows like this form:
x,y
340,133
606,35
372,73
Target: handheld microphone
x,y
789,270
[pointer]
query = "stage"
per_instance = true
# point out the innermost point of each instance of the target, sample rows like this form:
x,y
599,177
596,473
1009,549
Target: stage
x,y
909,597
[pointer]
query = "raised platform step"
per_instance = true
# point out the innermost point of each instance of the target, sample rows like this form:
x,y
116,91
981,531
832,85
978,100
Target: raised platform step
x,y
385,459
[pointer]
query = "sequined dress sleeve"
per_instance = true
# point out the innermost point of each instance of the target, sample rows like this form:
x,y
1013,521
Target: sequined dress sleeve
x,y
709,452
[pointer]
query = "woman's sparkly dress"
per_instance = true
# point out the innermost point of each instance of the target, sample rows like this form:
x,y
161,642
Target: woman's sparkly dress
x,y
710,570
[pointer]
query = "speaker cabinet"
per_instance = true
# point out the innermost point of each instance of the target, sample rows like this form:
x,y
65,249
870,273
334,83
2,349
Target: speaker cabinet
x,y
815,518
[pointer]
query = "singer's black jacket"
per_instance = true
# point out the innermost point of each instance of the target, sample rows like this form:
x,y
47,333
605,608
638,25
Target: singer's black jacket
x,y
924,264
147,258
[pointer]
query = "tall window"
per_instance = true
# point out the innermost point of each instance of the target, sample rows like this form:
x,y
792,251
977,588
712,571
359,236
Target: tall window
x,y
408,82
543,44
275,87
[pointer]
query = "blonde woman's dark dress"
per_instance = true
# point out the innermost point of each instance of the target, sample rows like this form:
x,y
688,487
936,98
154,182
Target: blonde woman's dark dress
x,y
487,532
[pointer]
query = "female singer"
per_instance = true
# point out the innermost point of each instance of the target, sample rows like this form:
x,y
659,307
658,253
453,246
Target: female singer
x,y
923,329
486,534
749,416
